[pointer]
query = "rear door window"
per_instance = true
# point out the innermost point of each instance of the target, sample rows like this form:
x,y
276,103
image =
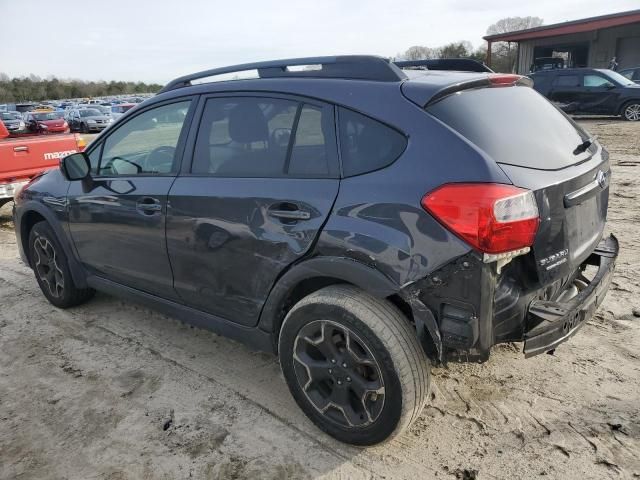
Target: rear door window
x,y
265,137
314,150
567,81
367,144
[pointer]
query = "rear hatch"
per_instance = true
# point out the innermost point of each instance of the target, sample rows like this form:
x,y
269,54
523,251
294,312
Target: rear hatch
x,y
540,149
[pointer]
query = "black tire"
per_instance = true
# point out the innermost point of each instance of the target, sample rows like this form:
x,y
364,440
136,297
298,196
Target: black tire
x,y
49,263
380,350
84,128
631,111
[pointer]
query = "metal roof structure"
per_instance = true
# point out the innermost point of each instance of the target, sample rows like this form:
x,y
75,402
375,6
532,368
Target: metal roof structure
x,y
565,28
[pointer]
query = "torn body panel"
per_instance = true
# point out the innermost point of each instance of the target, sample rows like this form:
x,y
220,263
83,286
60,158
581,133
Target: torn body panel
x,y
466,307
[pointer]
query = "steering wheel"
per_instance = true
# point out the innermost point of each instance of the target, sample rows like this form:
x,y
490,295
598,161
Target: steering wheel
x,y
160,159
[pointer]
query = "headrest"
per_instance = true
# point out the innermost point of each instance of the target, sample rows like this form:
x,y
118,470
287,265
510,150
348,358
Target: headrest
x,y
247,123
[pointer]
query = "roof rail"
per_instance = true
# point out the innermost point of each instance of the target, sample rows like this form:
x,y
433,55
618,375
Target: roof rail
x,y
457,64
355,67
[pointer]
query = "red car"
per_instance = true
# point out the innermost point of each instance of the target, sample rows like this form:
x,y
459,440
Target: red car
x,y
46,122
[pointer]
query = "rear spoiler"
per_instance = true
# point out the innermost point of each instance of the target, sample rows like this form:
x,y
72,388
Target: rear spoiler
x,y
492,80
454,64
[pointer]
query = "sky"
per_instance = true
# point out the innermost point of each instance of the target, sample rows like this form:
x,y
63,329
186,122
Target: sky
x,y
157,40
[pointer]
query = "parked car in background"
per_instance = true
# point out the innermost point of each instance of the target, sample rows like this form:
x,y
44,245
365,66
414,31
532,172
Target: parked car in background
x,y
24,107
358,220
13,121
547,63
590,91
46,122
42,108
87,120
101,108
631,74
118,110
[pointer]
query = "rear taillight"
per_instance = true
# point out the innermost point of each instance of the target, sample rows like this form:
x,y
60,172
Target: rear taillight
x,y
493,218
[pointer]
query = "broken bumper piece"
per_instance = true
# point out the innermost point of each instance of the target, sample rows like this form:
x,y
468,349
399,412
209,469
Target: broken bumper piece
x,y
555,322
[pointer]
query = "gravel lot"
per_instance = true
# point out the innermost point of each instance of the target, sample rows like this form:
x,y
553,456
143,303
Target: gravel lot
x,y
111,390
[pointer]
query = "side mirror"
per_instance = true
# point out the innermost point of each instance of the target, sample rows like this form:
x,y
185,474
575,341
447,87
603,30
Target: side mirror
x,y
75,166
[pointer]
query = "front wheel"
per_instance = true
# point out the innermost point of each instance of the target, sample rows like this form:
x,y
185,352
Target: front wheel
x,y
84,128
631,111
354,365
51,268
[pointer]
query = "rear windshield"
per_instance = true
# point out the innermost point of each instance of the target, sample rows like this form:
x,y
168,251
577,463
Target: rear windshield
x,y
513,125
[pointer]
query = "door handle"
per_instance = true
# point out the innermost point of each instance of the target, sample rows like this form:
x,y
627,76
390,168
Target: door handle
x,y
148,205
290,214
288,211
20,149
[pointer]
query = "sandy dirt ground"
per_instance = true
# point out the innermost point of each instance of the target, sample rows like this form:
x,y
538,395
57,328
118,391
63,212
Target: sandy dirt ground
x,y
111,390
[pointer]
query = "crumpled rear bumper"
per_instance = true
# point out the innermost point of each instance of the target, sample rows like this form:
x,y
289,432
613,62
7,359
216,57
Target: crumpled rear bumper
x,y
555,322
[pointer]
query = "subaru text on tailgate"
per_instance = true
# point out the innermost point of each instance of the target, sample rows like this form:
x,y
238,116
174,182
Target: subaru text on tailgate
x,y
358,220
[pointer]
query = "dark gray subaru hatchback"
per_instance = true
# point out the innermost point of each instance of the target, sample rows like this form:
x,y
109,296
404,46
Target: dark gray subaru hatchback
x,y
359,220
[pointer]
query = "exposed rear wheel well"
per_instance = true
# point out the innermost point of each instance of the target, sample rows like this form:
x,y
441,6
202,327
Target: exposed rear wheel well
x,y
28,221
308,286
301,290
428,344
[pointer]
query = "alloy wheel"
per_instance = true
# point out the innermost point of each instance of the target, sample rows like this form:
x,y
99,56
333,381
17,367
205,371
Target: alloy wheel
x,y
46,266
338,374
632,112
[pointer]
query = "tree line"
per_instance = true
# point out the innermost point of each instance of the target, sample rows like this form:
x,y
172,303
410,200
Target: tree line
x,y
503,54
33,88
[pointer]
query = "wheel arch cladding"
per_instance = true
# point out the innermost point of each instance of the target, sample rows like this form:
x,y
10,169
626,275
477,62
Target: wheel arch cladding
x,y
317,273
35,213
29,219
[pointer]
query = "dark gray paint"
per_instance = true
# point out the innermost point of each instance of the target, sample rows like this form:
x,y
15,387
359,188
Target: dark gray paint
x,y
117,235
227,250
226,264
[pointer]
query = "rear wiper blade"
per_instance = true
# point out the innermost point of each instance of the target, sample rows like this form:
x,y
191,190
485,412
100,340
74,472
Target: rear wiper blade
x,y
584,145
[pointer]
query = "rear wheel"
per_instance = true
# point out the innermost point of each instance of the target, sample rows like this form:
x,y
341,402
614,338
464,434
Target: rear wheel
x,y
631,111
354,365
51,268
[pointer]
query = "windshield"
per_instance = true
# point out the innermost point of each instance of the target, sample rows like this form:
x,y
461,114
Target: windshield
x,y
47,116
8,116
102,108
90,112
621,79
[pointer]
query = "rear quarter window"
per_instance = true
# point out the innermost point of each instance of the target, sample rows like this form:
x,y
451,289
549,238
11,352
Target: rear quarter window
x,y
366,144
